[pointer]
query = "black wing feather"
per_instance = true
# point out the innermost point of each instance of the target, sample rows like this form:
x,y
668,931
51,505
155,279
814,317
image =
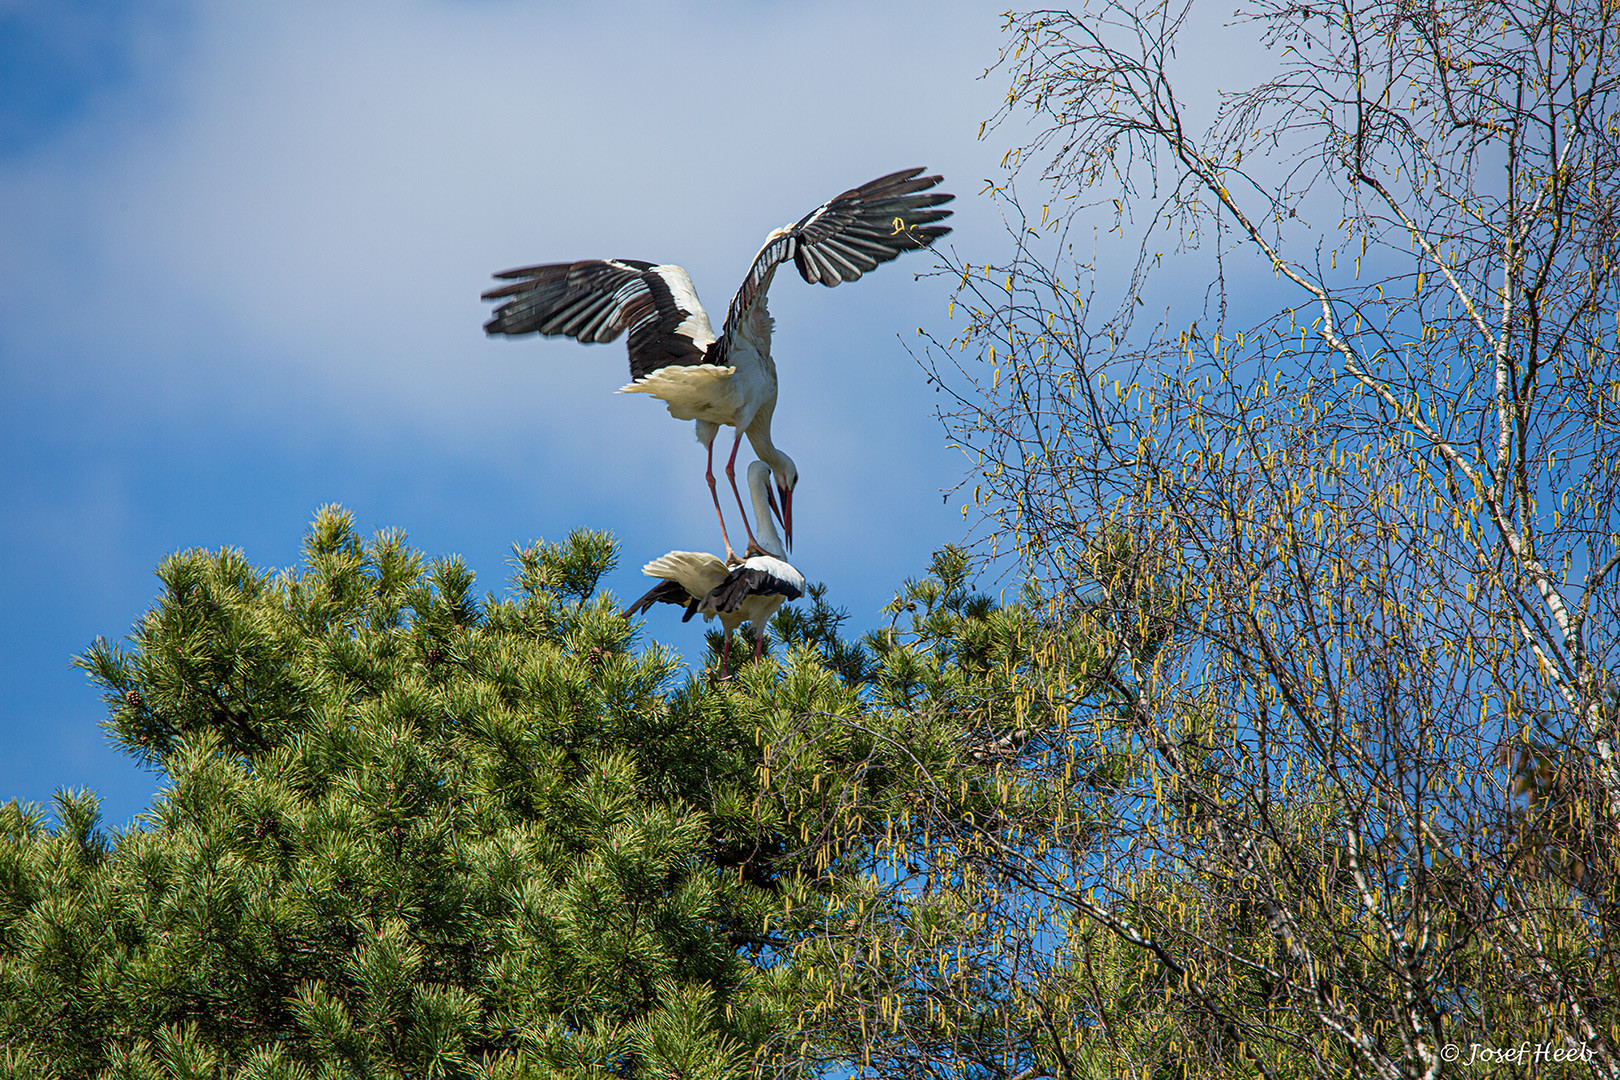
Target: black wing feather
x,y
557,299
746,581
665,592
653,315
595,301
846,236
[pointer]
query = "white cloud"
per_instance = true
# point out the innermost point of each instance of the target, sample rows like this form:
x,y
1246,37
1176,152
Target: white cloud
x,y
297,237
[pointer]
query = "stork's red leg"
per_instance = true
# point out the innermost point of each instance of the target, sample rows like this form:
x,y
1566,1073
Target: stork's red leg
x,y
731,474
731,556
725,656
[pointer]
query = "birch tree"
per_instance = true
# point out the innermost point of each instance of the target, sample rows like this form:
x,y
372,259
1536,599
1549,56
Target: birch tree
x,y
1360,476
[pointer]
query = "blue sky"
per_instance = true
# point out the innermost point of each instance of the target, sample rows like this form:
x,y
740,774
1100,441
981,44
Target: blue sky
x,y
241,247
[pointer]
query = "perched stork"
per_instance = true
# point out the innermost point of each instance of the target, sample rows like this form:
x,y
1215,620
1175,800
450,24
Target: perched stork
x,y
675,356
743,590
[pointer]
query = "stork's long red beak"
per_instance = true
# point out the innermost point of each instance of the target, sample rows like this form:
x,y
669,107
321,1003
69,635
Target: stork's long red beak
x,y
784,513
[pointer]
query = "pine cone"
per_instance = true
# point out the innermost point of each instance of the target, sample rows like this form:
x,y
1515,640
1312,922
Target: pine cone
x,y
435,656
134,698
596,656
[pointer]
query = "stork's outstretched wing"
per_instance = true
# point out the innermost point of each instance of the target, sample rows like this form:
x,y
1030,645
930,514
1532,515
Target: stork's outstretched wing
x,y
598,299
846,236
688,576
665,592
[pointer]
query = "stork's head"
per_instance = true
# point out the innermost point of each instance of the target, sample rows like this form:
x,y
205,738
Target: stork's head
x,y
773,474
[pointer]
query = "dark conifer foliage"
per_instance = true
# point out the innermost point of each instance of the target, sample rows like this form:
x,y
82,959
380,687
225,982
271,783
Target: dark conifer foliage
x,y
407,830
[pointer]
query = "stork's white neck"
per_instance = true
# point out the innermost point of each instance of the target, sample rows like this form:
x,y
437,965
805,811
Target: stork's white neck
x,y
759,437
759,486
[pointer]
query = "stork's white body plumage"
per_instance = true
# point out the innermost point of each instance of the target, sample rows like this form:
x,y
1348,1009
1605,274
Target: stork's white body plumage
x,y
727,380
741,394
745,590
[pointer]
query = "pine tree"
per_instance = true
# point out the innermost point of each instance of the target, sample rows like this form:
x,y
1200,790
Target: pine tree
x,y
404,832
409,831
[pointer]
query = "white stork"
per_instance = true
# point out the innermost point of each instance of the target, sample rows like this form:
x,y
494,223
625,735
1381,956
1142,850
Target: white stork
x,y
674,354
740,590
